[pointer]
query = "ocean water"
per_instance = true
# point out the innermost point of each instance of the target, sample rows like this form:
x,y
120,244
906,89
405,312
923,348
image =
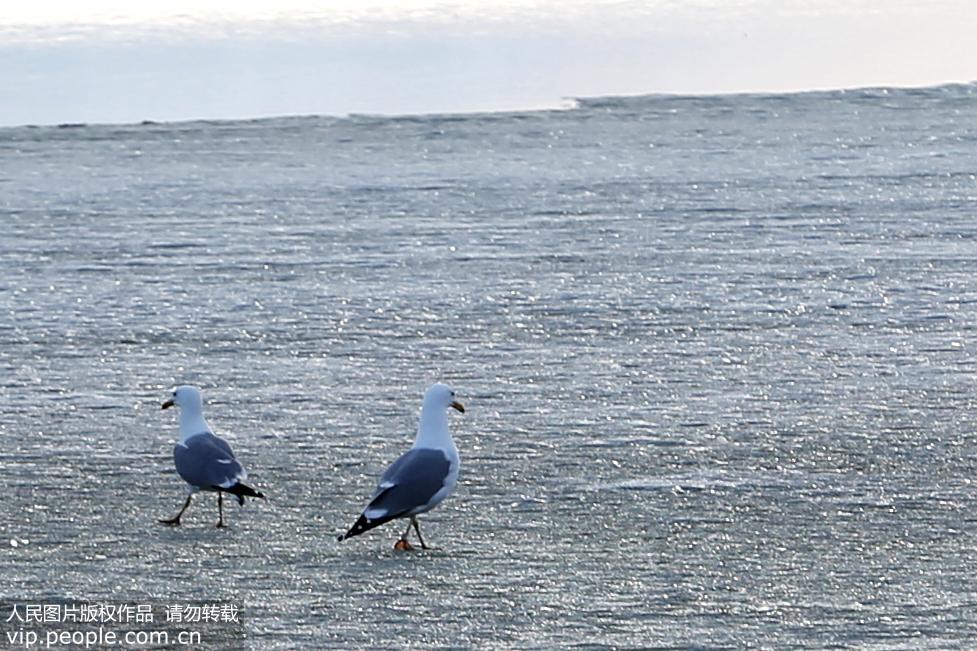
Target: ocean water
x,y
718,355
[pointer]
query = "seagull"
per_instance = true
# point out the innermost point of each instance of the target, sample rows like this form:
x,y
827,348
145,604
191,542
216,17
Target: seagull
x,y
422,477
205,461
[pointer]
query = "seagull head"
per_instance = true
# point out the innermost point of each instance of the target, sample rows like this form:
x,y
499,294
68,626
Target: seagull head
x,y
185,397
441,395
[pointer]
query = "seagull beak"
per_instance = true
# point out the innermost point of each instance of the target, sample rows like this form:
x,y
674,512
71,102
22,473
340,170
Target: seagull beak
x,y
457,405
167,404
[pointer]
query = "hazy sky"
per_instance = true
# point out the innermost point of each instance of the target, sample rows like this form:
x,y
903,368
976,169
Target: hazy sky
x,y
126,61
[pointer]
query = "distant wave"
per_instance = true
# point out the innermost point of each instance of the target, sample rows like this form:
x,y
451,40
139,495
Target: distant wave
x,y
946,90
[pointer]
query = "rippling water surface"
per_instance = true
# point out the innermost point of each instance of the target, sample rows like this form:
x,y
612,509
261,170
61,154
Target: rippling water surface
x,y
717,354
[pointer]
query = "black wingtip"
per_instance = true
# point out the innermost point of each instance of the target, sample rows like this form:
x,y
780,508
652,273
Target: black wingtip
x,y
240,491
362,524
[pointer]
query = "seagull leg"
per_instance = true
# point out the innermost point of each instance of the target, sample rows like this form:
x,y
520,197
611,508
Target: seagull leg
x,y
402,545
413,521
174,521
220,509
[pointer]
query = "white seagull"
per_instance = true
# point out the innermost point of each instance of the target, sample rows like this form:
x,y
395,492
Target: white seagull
x,y
422,477
205,461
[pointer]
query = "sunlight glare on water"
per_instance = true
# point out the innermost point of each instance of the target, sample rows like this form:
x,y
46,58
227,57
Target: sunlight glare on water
x,y
716,354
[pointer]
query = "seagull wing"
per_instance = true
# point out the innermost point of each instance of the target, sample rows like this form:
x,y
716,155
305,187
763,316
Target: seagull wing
x,y
408,486
206,461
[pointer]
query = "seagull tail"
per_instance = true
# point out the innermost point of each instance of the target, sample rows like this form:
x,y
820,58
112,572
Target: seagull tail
x,y
243,490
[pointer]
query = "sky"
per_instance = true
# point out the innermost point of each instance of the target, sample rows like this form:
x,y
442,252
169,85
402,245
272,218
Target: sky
x,y
114,61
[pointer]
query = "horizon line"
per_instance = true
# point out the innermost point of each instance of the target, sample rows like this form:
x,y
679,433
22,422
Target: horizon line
x,y
566,103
